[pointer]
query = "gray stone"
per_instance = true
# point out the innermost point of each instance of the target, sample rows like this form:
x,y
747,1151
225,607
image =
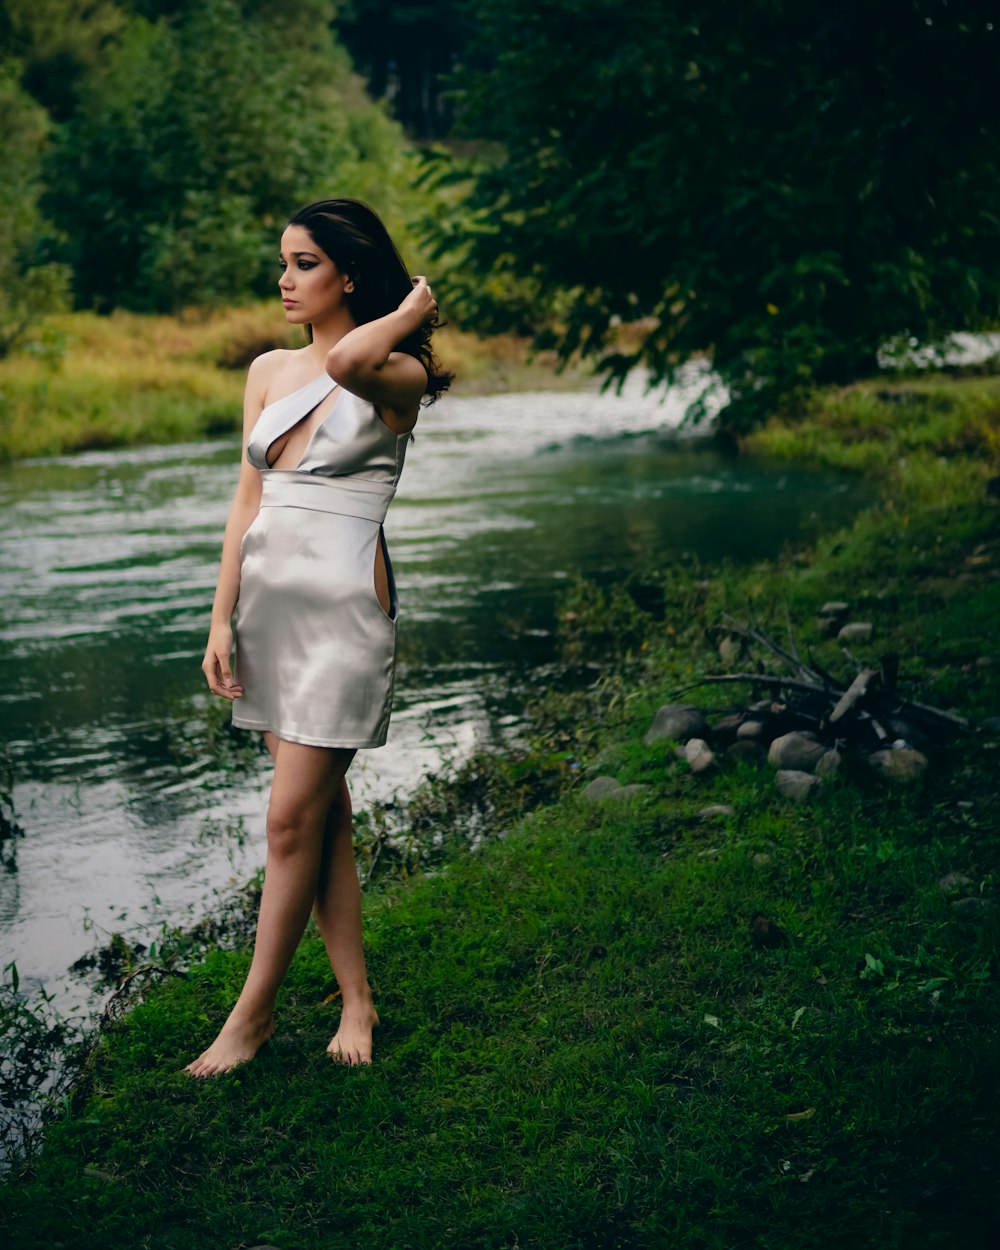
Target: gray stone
x,y
761,859
856,631
611,788
725,729
748,752
699,755
717,809
798,749
750,730
729,649
834,608
631,790
601,787
797,785
973,906
678,722
828,763
952,882
902,766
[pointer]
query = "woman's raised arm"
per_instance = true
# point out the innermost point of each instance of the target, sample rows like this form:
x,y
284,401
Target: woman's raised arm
x,y
364,362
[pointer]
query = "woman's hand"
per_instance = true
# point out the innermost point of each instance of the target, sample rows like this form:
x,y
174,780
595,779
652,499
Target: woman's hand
x,y
420,302
215,666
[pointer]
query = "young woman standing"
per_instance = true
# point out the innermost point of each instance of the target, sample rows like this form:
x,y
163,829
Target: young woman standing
x,y
306,571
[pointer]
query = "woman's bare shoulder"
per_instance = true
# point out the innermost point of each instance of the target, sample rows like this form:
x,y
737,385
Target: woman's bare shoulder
x,y
270,365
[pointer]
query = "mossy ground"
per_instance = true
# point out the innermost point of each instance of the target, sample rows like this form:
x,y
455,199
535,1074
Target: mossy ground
x,y
581,1046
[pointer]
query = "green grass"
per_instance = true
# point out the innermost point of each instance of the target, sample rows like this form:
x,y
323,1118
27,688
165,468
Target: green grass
x,y
581,1045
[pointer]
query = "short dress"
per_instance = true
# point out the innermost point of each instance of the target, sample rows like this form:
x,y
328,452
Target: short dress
x,y
315,651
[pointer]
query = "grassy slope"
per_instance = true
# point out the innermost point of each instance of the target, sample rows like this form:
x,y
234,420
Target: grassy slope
x,y
125,380
581,1047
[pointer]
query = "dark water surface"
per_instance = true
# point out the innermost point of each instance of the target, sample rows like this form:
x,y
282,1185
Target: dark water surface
x,y
106,579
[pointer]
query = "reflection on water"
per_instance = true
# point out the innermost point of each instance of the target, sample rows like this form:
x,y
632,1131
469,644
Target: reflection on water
x,y
106,579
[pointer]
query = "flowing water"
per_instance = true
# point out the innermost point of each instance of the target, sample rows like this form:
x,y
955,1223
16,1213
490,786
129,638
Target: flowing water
x,y
106,578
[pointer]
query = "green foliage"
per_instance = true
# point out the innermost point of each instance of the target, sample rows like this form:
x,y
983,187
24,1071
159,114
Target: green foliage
x,y
192,141
56,43
785,186
31,285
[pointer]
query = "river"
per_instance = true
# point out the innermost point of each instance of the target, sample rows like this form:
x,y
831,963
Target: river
x,y
106,577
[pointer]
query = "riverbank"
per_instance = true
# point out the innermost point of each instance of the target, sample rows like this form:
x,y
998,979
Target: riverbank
x,y
128,380
582,1046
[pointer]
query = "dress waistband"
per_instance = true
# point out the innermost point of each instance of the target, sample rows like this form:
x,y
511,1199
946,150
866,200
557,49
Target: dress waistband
x,y
348,496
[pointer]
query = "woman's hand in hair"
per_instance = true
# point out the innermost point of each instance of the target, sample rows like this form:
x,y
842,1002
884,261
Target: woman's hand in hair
x,y
420,302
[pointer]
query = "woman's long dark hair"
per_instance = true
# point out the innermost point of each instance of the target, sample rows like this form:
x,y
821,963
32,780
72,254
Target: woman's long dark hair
x,y
357,242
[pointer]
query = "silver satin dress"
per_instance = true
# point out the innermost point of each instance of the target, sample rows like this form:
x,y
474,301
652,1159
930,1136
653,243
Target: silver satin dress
x,y
315,651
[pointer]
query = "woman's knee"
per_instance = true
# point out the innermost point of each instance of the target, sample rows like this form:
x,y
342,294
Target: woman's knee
x,y
290,827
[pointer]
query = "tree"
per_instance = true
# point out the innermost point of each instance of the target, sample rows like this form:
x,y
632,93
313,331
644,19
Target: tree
x,y
31,285
405,49
786,186
192,142
55,43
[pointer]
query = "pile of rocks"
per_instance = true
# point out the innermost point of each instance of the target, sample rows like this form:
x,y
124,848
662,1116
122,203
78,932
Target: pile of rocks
x,y
811,720
761,734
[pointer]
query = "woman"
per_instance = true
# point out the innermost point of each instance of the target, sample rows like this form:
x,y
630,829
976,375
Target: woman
x,y
305,568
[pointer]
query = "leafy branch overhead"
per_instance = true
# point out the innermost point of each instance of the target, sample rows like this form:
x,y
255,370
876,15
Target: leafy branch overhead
x,y
787,187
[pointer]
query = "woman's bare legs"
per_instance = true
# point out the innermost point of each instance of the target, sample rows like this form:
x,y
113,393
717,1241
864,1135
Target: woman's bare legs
x,y
338,915
306,780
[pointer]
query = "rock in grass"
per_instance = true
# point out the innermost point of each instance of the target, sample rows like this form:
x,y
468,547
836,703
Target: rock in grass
x,y
952,882
751,730
748,752
903,766
834,607
601,787
855,631
828,763
699,755
973,906
678,722
717,809
797,785
799,749
611,788
631,790
726,729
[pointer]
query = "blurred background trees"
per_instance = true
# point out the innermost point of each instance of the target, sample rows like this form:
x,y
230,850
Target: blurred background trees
x,y
182,136
790,189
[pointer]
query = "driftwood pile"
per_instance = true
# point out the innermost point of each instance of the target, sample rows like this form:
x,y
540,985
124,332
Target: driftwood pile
x,y
809,720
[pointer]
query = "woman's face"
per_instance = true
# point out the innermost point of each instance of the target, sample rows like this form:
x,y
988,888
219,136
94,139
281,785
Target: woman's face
x,y
311,285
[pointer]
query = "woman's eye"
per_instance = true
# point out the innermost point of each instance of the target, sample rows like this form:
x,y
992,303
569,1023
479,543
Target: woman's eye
x,y
307,264
282,266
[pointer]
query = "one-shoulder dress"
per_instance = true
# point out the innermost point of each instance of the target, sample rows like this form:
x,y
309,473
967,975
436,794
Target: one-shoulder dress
x,y
315,651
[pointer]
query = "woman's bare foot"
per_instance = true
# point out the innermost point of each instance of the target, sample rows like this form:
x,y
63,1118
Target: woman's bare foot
x,y
352,1043
239,1040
